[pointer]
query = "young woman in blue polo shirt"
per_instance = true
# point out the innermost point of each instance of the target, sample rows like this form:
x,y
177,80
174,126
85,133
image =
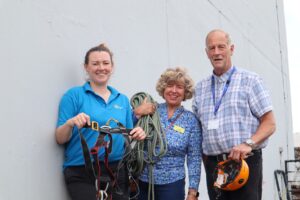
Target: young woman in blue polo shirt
x,y
93,101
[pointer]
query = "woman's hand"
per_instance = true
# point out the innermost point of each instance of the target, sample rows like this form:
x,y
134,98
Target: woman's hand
x,y
145,108
192,194
191,197
138,133
64,132
79,120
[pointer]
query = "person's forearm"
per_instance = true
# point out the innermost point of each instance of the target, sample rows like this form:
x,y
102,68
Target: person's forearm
x,y
266,128
63,133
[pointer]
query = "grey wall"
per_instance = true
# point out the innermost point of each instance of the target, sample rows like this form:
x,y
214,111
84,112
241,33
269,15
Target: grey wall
x,y
42,45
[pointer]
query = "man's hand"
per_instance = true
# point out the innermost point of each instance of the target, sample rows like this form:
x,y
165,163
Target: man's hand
x,y
241,151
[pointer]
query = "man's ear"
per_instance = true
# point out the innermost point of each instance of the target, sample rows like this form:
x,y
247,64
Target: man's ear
x,y
206,50
232,48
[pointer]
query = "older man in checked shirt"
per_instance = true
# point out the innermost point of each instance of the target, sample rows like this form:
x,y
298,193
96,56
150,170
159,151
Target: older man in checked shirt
x,y
236,114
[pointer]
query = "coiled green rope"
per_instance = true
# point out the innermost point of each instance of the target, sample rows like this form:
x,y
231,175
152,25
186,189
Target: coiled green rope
x,y
155,144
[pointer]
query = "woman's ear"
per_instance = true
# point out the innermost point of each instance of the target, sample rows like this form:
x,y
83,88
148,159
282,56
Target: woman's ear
x,y
112,69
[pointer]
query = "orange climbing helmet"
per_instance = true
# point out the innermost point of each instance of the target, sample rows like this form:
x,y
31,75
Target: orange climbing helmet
x,y
231,175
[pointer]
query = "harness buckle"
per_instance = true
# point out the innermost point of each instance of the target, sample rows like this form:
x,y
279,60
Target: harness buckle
x,y
103,194
95,126
222,157
105,129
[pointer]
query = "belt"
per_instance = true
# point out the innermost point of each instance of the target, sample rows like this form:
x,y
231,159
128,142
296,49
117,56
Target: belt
x,y
224,156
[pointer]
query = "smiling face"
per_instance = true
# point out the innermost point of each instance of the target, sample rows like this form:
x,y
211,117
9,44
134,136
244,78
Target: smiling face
x,y
99,67
219,51
174,93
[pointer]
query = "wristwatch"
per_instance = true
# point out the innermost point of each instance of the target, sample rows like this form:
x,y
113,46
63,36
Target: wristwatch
x,y
193,193
250,143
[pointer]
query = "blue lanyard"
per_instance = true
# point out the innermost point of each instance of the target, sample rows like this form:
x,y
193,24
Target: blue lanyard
x,y
217,105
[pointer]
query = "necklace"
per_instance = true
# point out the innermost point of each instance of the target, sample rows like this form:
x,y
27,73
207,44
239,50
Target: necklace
x,y
173,122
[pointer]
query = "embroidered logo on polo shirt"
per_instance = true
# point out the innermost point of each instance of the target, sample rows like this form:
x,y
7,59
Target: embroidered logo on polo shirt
x,y
116,106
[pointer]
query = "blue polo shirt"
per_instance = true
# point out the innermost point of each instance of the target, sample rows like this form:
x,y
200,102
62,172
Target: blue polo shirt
x,y
83,99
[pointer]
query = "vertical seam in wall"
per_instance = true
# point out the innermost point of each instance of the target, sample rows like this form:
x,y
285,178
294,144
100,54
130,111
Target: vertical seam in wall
x,y
282,76
167,33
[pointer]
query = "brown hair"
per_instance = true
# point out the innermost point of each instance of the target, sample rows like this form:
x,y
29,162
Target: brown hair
x,y
101,47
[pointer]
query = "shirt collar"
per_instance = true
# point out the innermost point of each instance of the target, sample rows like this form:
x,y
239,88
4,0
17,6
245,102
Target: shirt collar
x,y
87,87
224,77
178,110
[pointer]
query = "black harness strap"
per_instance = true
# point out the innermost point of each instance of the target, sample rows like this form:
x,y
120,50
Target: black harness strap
x,y
87,158
103,131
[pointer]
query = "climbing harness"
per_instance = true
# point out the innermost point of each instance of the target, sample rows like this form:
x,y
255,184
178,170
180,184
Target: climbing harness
x,y
137,153
94,170
154,146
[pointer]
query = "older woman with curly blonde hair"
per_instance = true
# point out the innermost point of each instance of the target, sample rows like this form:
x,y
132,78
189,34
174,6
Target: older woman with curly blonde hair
x,y
184,138
177,76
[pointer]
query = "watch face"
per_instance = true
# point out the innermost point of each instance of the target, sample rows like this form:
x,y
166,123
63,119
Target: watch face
x,y
248,141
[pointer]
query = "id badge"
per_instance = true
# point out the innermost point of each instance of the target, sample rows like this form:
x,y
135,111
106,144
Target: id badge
x,y
179,129
213,124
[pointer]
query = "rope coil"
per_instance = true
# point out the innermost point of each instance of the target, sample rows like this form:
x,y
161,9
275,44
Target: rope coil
x,y
154,146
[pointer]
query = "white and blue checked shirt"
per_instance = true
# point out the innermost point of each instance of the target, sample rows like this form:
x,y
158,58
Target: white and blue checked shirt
x,y
245,101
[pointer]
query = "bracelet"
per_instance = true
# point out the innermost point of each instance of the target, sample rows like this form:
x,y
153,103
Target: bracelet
x,y
195,194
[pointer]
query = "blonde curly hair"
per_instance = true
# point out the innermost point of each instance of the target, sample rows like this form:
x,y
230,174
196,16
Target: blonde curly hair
x,y
175,75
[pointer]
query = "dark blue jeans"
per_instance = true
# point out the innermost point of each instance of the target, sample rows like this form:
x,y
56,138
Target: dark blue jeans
x,y
174,191
252,190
